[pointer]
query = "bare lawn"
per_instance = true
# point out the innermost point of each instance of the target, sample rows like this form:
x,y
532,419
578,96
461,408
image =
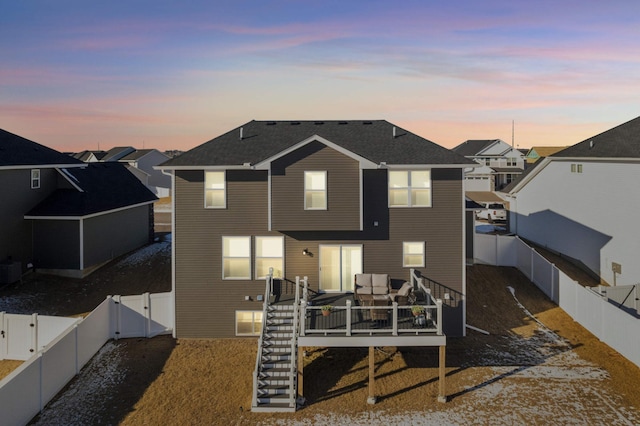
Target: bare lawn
x,y
536,367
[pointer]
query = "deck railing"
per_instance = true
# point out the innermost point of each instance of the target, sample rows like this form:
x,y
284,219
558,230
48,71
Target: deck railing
x,y
350,320
267,293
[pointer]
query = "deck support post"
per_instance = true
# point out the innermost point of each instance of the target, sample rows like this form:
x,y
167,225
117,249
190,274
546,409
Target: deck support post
x,y
442,394
372,376
300,378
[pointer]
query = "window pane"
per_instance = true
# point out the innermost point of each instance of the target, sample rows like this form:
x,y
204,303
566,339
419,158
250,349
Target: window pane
x,y
237,247
398,179
248,322
421,197
214,180
316,200
263,265
421,179
413,254
398,197
214,198
236,268
315,180
269,246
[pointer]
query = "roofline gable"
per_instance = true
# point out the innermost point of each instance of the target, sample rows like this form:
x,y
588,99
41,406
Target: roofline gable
x,y
364,163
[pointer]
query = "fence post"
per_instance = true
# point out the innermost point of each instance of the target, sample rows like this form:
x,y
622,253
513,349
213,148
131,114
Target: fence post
x,y
531,269
439,314
34,333
394,319
551,281
303,314
146,299
3,344
116,317
348,311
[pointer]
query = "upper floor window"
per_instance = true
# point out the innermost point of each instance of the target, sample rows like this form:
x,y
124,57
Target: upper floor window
x,y
35,178
214,190
269,254
512,162
236,258
576,168
315,190
410,188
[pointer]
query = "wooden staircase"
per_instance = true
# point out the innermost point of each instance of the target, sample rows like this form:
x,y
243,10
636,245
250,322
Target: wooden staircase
x,y
275,382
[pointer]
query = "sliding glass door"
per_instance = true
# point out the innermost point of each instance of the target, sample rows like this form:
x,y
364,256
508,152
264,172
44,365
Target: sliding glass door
x,y
338,266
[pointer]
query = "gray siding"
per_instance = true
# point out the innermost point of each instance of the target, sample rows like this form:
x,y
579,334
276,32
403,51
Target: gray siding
x,y
17,199
111,235
206,304
57,244
343,190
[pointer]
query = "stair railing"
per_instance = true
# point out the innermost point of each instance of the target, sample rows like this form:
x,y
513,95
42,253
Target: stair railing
x,y
265,306
293,367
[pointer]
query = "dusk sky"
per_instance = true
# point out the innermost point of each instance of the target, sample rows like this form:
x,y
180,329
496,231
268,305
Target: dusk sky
x,y
78,75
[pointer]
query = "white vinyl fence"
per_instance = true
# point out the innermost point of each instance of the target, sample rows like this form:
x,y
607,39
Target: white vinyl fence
x,y
612,325
55,348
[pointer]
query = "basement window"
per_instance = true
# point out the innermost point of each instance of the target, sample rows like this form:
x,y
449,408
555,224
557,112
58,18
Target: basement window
x,y
248,323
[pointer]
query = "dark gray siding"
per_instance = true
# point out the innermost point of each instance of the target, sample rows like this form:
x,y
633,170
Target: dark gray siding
x,y
206,304
111,235
343,190
17,199
57,244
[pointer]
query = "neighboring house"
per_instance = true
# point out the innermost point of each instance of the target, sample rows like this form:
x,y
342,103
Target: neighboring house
x,y
506,162
116,153
537,152
582,202
89,156
63,216
141,163
324,199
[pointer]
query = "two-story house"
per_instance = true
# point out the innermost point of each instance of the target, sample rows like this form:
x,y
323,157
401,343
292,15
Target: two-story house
x,y
505,163
581,202
358,196
326,200
63,216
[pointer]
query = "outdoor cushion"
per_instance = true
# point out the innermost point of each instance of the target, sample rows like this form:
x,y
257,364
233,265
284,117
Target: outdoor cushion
x,y
363,280
405,289
380,283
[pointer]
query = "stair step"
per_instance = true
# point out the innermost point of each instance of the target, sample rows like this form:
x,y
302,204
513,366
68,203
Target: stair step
x,y
278,334
273,408
273,364
274,381
280,320
274,372
276,357
274,399
273,390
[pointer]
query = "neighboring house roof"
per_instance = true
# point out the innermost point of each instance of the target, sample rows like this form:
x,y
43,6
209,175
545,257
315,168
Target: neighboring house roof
x,y
507,170
85,156
528,171
18,151
542,151
482,196
622,141
136,155
263,140
473,147
470,204
116,153
101,187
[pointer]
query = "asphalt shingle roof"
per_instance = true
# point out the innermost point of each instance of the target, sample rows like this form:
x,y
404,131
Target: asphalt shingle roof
x,y
372,140
622,141
472,147
18,151
106,186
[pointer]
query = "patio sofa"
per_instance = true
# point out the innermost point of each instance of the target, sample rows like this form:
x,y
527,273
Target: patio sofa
x,y
370,287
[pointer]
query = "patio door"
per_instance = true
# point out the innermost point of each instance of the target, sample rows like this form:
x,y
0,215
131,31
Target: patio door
x,y
338,265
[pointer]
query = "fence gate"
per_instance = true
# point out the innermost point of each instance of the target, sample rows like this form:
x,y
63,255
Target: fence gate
x,y
18,336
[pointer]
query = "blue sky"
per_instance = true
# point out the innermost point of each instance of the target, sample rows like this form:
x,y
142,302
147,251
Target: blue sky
x,y
80,75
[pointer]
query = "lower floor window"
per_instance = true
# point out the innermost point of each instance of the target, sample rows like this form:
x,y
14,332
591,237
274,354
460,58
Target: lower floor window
x,y
248,323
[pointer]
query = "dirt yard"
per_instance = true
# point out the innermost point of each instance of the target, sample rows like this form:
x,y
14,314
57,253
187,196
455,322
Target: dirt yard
x,y
536,367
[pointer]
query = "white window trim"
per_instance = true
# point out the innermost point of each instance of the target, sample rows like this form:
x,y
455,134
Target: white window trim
x,y
408,189
248,277
253,322
404,254
324,172
224,190
35,181
267,257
